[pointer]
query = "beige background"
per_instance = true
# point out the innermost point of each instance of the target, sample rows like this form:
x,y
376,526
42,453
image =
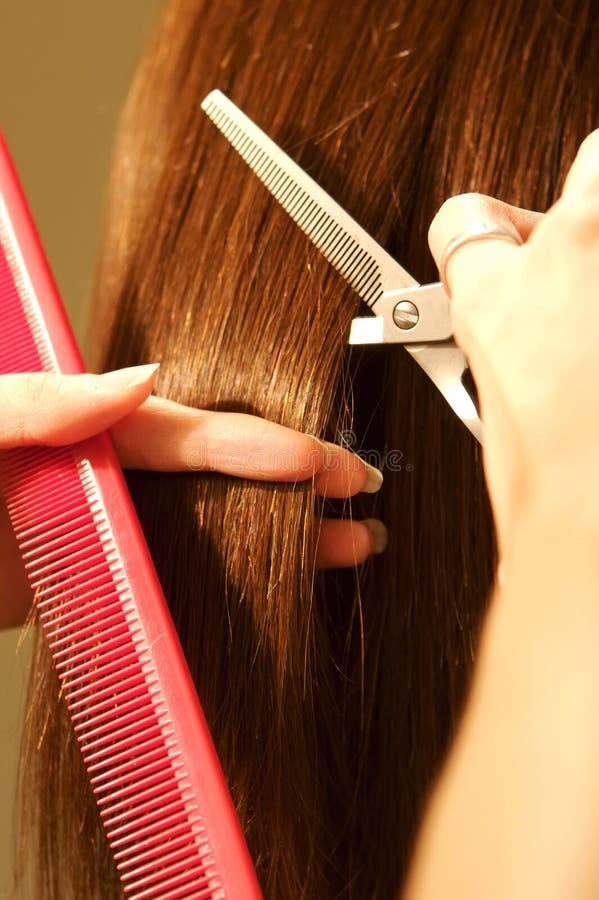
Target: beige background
x,y
64,70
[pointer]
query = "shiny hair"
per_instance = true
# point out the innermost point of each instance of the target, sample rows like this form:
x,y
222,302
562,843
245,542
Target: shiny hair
x,y
331,697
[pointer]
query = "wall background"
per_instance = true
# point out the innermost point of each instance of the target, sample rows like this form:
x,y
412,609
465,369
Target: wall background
x,y
64,71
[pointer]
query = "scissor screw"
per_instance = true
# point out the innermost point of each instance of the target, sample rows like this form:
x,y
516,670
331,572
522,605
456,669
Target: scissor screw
x,y
405,315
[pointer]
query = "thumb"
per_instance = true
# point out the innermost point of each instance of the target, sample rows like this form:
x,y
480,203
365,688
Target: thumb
x,y
51,410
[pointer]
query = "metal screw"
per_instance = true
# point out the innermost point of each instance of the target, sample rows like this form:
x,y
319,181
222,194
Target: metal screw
x,y
405,315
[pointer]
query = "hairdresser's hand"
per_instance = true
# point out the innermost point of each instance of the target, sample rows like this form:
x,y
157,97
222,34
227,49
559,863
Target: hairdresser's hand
x,y
515,813
527,317
152,433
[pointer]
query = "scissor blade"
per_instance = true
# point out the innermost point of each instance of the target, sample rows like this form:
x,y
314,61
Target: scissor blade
x,y
445,365
364,264
367,330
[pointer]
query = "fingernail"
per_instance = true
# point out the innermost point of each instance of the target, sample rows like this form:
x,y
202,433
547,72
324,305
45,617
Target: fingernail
x,y
378,534
121,379
374,480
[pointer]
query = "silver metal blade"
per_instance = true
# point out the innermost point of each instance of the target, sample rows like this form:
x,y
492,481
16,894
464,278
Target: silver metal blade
x,y
445,364
367,330
364,264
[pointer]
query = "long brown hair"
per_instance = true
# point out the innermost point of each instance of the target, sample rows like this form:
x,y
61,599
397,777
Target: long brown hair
x,y
331,698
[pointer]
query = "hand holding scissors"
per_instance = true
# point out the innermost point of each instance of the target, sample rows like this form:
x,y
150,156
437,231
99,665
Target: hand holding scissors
x,y
524,311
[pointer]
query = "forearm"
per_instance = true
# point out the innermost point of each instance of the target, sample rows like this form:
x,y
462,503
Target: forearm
x,y
516,812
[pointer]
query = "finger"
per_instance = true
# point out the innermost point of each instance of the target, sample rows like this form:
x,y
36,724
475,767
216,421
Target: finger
x,y
343,543
465,213
583,177
51,410
344,474
573,222
166,436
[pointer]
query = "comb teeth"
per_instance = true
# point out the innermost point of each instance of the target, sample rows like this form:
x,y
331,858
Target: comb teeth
x,y
326,224
29,349
160,791
116,714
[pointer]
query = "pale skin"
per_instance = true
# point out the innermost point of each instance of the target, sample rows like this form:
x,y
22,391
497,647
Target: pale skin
x,y
515,813
149,432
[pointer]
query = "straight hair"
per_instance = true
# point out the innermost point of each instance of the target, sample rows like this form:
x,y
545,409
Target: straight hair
x,y
332,697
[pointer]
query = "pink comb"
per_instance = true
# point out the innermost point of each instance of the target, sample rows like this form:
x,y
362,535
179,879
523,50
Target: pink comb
x,y
163,799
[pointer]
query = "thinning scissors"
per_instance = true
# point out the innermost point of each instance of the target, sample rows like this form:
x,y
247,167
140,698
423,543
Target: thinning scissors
x,y
405,312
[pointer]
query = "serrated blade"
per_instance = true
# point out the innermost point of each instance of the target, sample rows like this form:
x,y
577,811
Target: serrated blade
x,y
364,264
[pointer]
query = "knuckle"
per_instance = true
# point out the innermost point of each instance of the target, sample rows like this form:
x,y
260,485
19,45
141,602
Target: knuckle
x,y
38,387
457,214
40,393
470,204
15,410
576,220
469,199
452,205
20,426
24,433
